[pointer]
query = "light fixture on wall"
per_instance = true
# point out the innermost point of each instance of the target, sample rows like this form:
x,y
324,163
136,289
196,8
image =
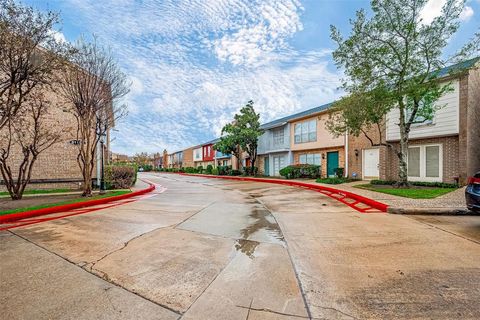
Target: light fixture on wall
x,y
356,153
323,155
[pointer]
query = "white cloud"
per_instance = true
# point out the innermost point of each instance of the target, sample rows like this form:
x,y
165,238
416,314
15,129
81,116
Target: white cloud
x,y
193,64
467,13
58,36
433,9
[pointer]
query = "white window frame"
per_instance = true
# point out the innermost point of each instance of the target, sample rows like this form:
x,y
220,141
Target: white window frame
x,y
312,155
282,163
423,161
298,131
278,136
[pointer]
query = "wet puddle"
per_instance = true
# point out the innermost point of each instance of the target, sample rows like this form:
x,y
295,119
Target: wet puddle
x,y
262,221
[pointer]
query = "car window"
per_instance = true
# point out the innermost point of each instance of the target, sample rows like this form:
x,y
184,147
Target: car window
x,y
477,175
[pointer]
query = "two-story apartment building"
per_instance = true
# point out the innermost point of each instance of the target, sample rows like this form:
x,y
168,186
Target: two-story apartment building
x,y
445,149
175,160
301,138
274,147
312,143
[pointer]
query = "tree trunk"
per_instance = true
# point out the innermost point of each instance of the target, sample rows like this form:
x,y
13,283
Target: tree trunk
x,y
87,183
402,157
253,166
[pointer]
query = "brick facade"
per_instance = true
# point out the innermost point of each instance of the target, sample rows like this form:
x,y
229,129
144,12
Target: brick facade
x,y
188,158
323,152
59,162
451,160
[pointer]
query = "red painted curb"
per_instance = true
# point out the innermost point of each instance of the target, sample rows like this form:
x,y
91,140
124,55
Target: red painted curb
x,y
66,207
370,202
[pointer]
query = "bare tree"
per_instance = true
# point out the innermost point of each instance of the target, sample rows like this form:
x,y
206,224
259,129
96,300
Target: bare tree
x,y
29,55
31,132
93,83
29,58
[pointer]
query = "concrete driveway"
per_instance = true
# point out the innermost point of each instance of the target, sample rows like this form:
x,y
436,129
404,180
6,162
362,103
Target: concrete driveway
x,y
220,249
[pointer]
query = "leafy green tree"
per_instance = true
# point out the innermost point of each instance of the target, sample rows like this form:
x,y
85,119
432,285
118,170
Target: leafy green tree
x,y
391,61
242,134
229,142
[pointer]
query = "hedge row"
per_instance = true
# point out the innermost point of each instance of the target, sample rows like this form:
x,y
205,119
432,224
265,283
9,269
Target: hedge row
x,y
301,171
417,183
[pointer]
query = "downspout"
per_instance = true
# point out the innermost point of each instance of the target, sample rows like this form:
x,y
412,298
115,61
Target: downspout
x,y
346,154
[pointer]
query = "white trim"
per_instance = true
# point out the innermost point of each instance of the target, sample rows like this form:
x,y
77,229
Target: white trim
x,y
345,170
423,160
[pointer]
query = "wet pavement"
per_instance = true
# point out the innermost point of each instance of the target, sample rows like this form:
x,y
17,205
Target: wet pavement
x,y
220,249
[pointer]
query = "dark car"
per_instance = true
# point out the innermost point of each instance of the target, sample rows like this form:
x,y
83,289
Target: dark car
x,y
472,193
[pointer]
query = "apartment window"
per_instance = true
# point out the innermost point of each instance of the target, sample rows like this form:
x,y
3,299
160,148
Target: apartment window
x,y
424,163
278,137
306,131
312,158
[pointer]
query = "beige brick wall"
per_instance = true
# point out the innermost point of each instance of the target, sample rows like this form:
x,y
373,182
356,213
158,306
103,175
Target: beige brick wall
x,y
260,164
188,158
361,143
473,123
59,161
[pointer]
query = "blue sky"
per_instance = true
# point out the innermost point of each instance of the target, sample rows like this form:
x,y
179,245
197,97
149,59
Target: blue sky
x,y
194,63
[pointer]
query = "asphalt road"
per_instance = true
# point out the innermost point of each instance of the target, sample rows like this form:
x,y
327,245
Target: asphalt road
x,y
219,249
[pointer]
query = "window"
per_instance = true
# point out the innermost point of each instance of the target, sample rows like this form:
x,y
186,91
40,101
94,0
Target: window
x,y
306,131
278,137
413,162
313,158
424,163
432,161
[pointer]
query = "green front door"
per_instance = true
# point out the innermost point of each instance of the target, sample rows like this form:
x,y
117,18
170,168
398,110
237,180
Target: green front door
x,y
332,163
266,166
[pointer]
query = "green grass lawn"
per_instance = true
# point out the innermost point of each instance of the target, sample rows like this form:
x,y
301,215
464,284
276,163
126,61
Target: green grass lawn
x,y
35,191
80,199
413,192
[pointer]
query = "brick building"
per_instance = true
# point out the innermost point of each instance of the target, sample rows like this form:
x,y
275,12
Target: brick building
x,y
446,149
57,166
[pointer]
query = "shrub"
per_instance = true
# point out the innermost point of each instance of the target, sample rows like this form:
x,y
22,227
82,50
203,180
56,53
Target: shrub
x,y
200,169
190,170
147,167
209,169
235,173
224,170
215,171
382,182
339,172
301,171
120,177
335,180
417,183
249,171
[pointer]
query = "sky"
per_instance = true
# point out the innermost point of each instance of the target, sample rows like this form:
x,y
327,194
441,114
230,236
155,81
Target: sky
x,y
193,64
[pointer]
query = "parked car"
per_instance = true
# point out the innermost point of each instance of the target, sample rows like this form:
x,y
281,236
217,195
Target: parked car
x,y
140,169
472,193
